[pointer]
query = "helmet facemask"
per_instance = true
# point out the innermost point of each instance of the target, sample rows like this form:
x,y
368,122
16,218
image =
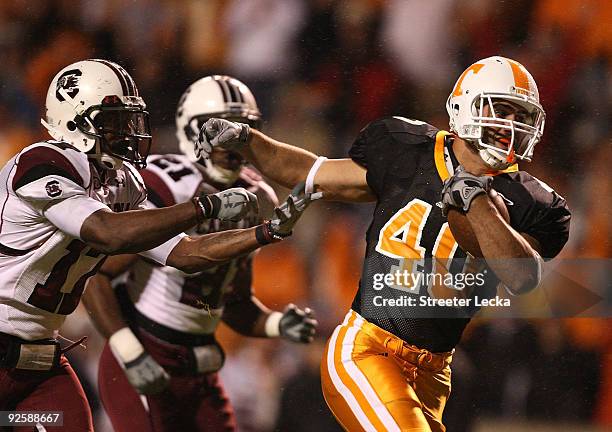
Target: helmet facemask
x,y
120,126
502,140
215,96
222,166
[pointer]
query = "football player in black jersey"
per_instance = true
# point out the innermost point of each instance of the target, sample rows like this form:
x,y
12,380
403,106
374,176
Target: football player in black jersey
x,y
387,368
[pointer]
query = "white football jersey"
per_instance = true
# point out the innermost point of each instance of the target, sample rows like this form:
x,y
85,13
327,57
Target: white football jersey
x,y
46,193
185,302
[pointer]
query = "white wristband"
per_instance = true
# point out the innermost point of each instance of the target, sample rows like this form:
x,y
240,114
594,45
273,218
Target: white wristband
x,y
272,328
125,346
309,188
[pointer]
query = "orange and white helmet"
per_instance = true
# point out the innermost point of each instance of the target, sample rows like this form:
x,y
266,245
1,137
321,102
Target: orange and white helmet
x,y
483,84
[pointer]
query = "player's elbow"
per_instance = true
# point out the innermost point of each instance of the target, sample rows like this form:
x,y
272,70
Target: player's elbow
x,y
193,268
527,277
99,232
106,242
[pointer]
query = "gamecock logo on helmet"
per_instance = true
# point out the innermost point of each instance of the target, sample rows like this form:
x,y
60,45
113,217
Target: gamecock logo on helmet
x,y
69,81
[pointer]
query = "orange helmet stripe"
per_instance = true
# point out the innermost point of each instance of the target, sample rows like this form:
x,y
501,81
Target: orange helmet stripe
x,y
521,80
476,68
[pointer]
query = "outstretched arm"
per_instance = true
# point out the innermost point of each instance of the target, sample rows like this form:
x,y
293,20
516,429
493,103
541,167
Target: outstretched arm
x,y
285,164
194,254
139,230
338,179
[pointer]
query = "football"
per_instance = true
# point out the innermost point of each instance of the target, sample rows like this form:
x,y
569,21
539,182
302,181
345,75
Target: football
x,y
462,230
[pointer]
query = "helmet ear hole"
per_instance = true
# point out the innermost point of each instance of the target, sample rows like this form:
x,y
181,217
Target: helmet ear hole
x,y
71,126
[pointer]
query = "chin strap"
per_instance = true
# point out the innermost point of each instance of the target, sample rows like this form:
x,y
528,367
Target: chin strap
x,y
492,161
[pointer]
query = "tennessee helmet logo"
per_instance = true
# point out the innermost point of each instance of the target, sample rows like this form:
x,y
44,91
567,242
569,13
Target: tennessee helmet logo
x,y
69,82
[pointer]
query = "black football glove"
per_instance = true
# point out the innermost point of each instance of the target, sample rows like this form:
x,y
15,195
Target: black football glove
x,y
460,189
298,325
142,371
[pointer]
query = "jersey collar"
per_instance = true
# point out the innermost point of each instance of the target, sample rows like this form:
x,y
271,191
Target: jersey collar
x,y
445,159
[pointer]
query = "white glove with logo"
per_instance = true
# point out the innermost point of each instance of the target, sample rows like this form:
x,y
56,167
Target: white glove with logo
x,y
221,133
231,204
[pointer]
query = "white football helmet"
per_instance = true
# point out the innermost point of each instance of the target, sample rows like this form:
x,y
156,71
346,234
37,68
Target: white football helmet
x,y
484,84
214,96
94,106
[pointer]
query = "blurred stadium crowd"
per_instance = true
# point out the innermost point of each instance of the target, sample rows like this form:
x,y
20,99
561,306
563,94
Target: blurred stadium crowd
x,y
321,70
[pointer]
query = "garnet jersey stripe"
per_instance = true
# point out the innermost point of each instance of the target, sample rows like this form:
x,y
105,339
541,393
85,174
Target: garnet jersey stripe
x,y
40,162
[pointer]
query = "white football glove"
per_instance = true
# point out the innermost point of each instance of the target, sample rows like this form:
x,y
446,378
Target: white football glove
x,y
231,204
223,134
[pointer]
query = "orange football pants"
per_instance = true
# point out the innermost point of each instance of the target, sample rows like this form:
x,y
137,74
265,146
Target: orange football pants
x,y
374,381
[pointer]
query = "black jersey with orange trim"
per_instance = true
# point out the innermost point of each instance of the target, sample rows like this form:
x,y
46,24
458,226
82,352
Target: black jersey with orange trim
x,y
407,161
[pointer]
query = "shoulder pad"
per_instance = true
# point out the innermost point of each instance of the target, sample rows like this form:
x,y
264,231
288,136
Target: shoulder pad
x,y
535,209
398,124
50,170
170,179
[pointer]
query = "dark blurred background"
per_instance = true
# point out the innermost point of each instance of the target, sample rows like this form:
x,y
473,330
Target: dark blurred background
x,y
321,70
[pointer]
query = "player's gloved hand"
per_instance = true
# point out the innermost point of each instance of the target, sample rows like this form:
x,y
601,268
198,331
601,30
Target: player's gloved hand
x,y
231,204
142,371
293,324
288,213
221,133
460,189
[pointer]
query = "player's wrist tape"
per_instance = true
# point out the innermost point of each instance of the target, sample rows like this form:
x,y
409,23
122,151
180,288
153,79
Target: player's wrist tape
x,y
200,210
309,186
125,345
272,327
265,234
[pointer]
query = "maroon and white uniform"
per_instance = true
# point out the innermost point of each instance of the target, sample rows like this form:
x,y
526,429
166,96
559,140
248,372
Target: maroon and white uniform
x,y
175,315
47,191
